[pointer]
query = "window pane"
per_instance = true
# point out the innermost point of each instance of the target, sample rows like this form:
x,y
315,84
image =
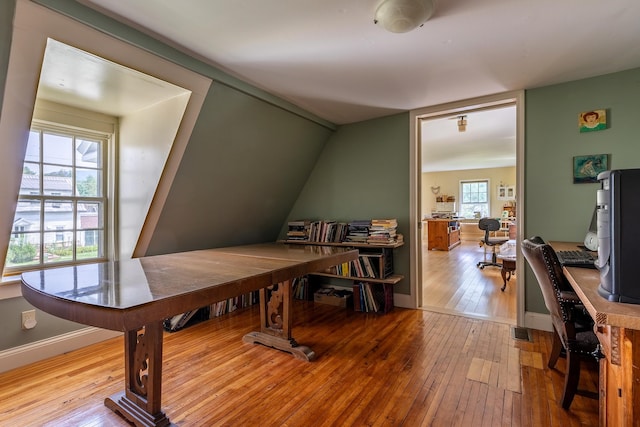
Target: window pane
x,y
30,179
88,153
58,215
57,149
23,249
58,246
90,244
90,216
27,216
57,180
88,183
33,147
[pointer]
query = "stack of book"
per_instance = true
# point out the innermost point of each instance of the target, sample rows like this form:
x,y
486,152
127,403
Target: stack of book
x,y
298,230
358,231
382,231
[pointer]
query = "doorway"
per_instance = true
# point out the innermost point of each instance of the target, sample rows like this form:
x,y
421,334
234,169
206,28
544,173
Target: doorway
x,y
449,281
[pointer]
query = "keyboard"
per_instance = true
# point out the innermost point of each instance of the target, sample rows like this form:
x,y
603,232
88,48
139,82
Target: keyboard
x,y
577,259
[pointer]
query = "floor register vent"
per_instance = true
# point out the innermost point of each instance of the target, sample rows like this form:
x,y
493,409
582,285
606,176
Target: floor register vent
x,y
521,334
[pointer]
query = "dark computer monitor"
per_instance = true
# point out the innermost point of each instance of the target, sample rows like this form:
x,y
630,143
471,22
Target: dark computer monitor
x,y
618,235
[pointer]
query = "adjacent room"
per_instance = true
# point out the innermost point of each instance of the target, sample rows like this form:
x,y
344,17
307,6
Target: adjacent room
x,y
343,212
469,173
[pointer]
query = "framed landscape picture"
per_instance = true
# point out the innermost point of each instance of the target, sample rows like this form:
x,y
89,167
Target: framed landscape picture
x,y
587,168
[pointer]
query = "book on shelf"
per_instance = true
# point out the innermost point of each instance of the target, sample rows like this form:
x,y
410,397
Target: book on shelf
x,y
358,231
298,230
367,231
366,300
300,288
382,231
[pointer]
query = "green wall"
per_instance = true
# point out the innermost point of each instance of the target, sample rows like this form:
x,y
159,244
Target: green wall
x,y
555,207
363,173
244,166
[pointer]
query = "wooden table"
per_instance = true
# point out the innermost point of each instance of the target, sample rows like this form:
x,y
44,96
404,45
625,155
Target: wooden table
x,y
135,296
618,330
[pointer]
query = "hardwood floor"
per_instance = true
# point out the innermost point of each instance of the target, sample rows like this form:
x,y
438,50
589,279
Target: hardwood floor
x,y
452,283
405,368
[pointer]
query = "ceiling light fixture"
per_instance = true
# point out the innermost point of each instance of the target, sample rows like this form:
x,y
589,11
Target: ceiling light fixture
x,y
462,123
401,16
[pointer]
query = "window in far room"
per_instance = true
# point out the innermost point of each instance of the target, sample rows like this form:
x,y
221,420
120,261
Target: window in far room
x,y
474,201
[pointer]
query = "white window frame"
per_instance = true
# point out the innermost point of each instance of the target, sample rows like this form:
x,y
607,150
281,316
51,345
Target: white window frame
x,y
53,197
463,204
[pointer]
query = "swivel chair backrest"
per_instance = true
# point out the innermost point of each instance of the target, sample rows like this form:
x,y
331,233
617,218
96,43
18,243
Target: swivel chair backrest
x,y
488,225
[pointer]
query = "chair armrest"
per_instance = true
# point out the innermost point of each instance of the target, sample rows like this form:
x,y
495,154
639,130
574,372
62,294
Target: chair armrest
x,y
570,297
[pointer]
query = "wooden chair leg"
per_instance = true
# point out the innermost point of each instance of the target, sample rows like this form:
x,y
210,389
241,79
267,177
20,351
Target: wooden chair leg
x,y
571,379
556,350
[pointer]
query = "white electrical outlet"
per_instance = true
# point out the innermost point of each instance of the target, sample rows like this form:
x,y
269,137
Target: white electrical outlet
x,y
29,319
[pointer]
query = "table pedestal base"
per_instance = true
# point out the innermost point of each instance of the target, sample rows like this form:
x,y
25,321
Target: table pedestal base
x,y
134,413
276,322
301,352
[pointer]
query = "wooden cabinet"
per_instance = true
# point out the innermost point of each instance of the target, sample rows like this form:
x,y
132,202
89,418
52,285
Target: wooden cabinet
x,y
443,234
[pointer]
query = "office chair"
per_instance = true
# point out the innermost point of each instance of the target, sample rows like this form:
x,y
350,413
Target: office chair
x,y
489,225
572,325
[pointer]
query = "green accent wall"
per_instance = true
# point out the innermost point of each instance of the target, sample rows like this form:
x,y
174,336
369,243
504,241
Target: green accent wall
x,y
244,166
363,173
555,207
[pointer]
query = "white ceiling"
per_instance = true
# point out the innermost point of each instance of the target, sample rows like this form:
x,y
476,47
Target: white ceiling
x,y
329,58
489,141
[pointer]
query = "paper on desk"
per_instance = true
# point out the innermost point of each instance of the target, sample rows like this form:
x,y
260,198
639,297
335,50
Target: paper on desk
x,y
508,249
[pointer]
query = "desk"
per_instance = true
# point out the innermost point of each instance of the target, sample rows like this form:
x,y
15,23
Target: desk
x,y
135,296
618,330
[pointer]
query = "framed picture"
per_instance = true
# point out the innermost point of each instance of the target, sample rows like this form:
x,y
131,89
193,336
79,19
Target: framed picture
x,y
590,121
506,192
587,168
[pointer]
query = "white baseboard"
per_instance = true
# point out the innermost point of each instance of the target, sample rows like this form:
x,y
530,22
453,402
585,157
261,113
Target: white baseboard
x,y
403,300
538,321
40,350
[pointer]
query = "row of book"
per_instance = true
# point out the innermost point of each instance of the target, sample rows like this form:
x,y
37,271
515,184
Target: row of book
x,y
300,288
368,297
370,231
366,266
232,304
180,321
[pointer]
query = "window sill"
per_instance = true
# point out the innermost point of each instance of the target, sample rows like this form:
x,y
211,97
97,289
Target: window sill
x,y
10,287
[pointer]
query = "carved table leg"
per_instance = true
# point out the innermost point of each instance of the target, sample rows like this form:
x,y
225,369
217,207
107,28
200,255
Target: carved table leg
x,y
140,403
276,322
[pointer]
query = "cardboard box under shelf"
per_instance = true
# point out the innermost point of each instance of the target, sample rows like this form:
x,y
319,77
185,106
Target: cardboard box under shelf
x,y
327,296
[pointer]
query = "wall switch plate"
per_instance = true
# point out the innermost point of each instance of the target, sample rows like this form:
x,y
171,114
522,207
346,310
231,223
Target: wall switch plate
x,y
29,319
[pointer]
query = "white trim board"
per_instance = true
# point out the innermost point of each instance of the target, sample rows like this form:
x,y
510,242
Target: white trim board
x,y
33,352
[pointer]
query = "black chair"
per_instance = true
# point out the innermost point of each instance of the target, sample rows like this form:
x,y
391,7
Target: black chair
x,y
572,325
488,225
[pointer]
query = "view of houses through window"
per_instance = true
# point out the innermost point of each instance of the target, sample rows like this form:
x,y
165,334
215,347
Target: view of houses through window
x,y
61,209
474,201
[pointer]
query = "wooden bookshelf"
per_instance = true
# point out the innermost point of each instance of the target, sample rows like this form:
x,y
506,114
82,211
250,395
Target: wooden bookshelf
x,y
381,288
